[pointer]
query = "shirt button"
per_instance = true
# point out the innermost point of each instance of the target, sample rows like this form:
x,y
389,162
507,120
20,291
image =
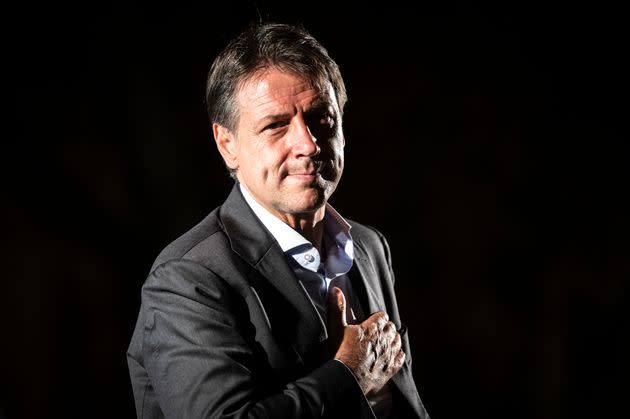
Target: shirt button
x,y
309,258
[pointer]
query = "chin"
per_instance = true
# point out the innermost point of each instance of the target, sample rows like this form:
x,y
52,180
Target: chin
x,y
309,201
310,205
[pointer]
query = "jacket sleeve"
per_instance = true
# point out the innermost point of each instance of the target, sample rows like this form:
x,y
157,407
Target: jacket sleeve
x,y
202,365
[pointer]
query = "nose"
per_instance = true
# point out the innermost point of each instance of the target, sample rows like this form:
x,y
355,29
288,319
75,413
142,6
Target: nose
x,y
304,142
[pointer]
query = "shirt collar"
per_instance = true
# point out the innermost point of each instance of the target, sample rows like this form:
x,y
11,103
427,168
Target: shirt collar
x,y
336,231
286,237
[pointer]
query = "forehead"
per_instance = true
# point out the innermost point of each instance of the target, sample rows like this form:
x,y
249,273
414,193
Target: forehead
x,y
273,88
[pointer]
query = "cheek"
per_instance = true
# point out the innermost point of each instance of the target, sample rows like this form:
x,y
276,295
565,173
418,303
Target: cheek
x,y
251,163
340,165
339,153
269,161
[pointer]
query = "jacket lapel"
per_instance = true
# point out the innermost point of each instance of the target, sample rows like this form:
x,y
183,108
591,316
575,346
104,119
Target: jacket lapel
x,y
309,328
250,239
365,282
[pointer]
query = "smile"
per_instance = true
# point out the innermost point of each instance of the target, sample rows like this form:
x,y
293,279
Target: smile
x,y
304,176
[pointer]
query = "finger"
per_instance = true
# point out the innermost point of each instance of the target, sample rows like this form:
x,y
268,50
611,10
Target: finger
x,y
379,316
378,319
337,307
399,359
382,321
392,351
374,355
397,343
389,327
395,363
386,335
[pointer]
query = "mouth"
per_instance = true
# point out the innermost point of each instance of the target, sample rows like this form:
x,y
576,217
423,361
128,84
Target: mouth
x,y
309,173
307,176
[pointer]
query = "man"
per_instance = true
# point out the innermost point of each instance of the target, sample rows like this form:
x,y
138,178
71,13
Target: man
x,y
274,306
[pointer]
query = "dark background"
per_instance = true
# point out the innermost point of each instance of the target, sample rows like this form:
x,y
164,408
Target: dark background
x,y
489,142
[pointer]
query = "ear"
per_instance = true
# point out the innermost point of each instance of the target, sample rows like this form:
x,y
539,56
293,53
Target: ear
x,y
226,143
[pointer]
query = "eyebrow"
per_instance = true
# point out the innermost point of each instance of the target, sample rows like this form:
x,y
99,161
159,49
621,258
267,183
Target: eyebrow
x,y
318,105
262,123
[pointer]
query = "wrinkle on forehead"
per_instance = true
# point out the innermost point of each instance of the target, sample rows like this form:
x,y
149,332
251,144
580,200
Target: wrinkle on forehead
x,y
260,90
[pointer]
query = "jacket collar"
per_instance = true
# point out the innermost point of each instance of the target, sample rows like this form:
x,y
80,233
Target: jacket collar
x,y
252,241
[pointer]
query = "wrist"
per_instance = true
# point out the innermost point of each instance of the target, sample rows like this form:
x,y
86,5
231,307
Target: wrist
x,y
360,382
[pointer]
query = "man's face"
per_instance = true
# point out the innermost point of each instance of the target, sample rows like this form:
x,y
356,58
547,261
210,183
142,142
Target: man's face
x,y
288,148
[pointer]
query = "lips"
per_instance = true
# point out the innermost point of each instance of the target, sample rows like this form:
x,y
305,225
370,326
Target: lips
x,y
310,170
304,176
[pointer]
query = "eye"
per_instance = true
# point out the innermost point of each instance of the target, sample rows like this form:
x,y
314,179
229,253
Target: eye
x,y
322,125
275,125
327,120
321,119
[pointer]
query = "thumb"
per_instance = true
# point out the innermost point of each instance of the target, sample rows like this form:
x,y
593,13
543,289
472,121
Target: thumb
x,y
337,307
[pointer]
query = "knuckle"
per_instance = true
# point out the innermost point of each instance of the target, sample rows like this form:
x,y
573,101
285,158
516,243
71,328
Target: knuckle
x,y
381,317
361,334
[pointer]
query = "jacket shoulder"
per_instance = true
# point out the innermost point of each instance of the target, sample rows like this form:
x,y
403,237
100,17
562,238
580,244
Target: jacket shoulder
x,y
364,233
208,233
371,244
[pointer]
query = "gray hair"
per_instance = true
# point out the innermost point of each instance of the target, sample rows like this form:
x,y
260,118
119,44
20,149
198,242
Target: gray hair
x,y
287,47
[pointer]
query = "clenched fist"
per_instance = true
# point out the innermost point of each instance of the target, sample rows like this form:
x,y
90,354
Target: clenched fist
x,y
372,349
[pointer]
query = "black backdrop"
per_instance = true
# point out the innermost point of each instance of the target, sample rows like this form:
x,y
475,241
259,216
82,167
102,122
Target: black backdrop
x,y
488,142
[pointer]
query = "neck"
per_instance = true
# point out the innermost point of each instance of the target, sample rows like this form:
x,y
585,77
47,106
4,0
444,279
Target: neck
x,y
309,225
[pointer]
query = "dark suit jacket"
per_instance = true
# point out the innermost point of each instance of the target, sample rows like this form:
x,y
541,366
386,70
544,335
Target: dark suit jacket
x,y
226,330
